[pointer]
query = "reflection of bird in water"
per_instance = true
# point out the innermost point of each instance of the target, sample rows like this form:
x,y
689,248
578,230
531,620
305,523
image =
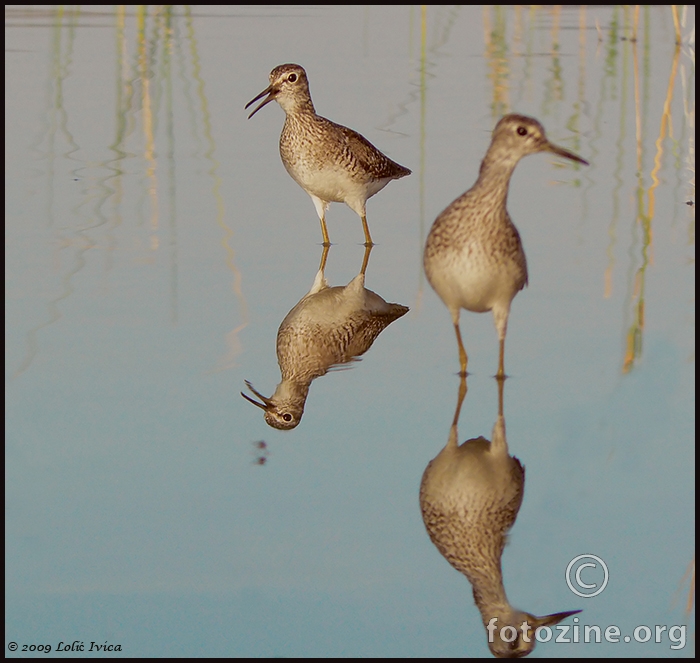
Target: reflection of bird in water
x,y
329,161
329,326
470,496
473,257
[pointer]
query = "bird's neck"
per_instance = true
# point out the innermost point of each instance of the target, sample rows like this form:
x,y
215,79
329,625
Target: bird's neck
x,y
494,176
489,592
292,391
297,107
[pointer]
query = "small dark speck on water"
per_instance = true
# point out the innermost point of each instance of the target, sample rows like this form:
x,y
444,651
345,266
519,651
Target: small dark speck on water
x,y
261,452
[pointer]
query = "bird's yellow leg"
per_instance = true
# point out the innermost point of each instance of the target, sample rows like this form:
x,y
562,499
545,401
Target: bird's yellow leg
x,y
365,227
501,382
462,351
501,372
324,230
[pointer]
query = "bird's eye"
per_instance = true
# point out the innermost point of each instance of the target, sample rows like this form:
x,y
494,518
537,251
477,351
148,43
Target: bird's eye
x,y
292,78
286,416
522,131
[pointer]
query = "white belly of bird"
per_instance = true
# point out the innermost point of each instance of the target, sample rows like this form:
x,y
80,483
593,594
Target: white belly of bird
x,y
335,185
472,288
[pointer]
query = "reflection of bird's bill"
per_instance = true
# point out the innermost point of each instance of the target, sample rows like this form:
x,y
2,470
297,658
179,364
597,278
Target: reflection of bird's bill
x,y
550,620
560,151
265,401
270,91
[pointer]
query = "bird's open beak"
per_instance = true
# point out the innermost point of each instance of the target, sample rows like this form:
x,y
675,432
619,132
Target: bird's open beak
x,y
265,401
271,94
560,151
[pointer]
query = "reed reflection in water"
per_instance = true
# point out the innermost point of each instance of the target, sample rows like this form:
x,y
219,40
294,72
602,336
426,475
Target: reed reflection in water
x,y
470,496
330,326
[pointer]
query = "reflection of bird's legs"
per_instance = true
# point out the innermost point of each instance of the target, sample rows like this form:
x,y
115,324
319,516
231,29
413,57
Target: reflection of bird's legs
x,y
365,259
460,397
324,257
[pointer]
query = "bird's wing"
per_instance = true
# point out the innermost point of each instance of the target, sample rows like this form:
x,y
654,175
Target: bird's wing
x,y
370,158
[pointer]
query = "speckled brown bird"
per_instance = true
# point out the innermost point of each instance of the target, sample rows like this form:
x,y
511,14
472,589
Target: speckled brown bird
x,y
473,256
329,161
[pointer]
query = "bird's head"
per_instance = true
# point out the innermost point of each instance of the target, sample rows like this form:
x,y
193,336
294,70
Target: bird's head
x,y
516,136
283,410
513,635
289,87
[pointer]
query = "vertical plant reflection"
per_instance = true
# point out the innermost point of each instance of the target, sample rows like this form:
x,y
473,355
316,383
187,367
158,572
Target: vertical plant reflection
x,y
145,99
645,217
